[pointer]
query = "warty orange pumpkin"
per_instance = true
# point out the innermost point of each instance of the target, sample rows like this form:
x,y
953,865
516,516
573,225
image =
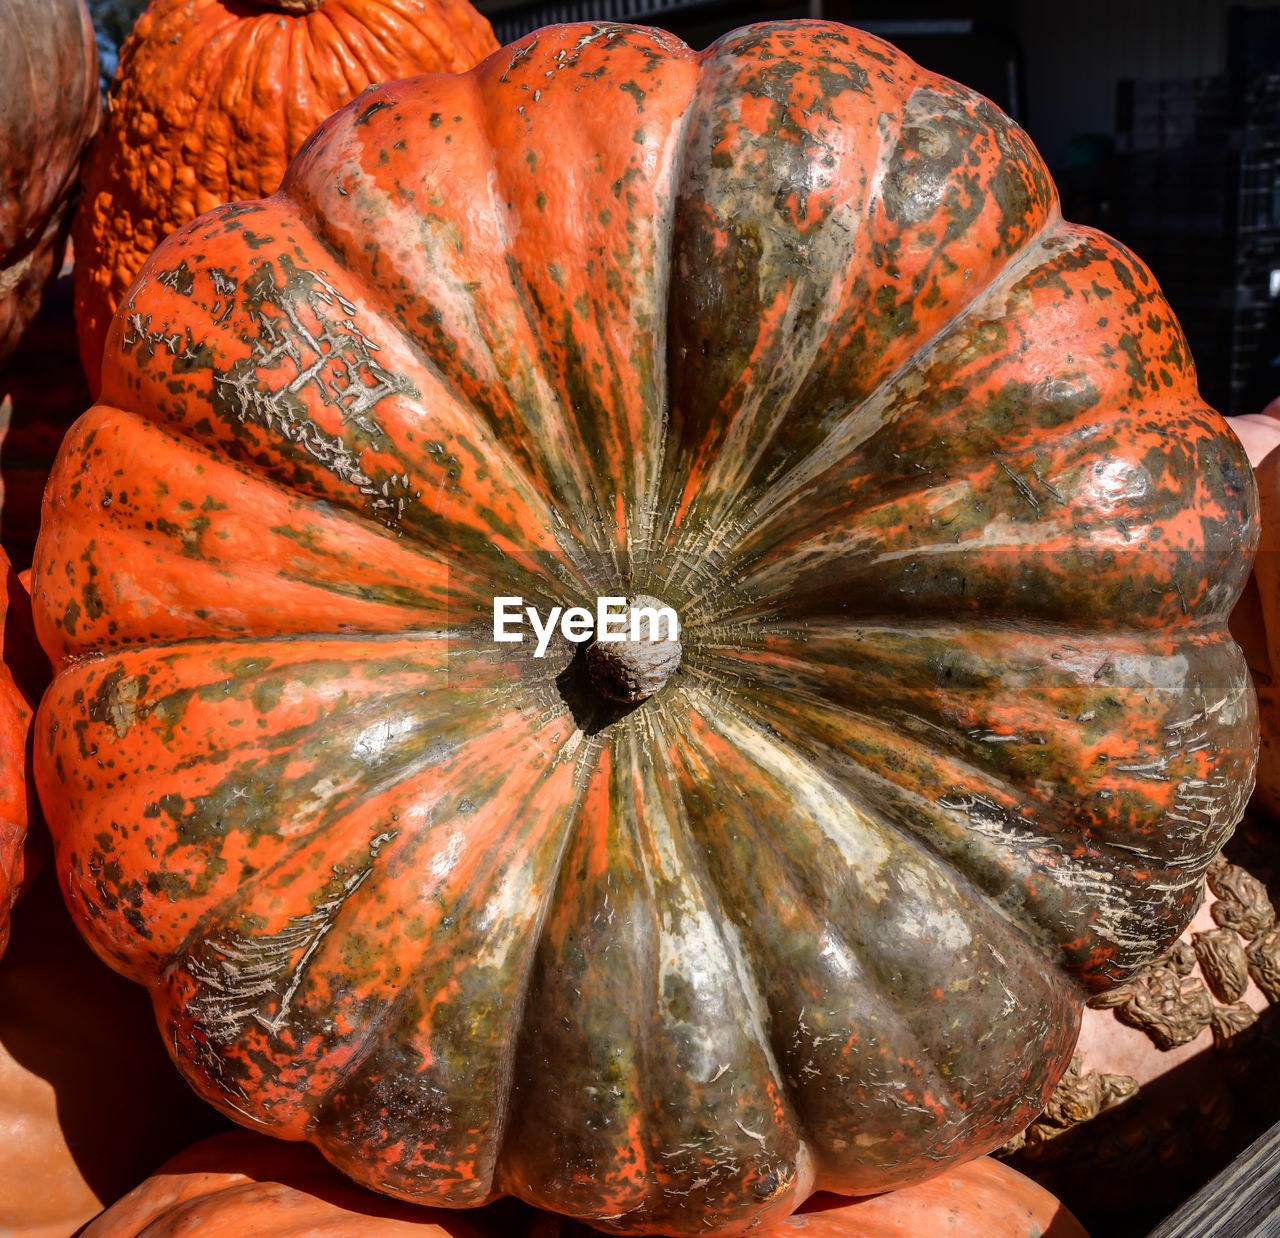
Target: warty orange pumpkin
x,y
211,100
49,109
789,335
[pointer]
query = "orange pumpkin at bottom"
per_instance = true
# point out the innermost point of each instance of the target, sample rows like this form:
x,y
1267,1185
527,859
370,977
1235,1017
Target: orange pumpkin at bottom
x,y
243,1183
980,1199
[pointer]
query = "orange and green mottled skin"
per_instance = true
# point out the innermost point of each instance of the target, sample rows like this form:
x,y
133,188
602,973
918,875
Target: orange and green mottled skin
x,y
790,335
212,99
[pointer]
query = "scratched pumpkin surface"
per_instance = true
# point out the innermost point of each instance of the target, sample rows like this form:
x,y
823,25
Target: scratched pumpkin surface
x,y
790,335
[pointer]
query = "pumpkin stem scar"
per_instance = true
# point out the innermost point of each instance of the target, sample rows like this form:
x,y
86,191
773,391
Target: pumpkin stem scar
x,y
633,670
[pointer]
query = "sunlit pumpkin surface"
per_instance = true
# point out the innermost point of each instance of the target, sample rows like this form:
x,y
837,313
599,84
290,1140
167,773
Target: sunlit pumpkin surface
x,y
789,335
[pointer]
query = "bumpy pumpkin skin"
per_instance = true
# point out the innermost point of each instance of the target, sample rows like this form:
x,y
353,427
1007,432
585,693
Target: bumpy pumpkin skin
x,y
211,100
790,335
49,109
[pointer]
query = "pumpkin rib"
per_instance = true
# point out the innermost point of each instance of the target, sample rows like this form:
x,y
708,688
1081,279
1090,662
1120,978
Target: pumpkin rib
x,y
782,879
1000,692
886,494
447,98
194,708
771,506
993,810
326,478
905,92
665,854
758,721
472,1108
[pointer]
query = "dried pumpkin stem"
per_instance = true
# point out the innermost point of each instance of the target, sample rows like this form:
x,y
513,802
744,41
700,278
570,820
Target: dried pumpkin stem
x,y
633,670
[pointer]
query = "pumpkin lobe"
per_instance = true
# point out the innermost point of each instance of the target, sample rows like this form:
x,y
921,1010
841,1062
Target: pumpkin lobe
x,y
630,670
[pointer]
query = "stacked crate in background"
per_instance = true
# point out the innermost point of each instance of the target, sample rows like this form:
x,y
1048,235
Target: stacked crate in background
x,y
1198,197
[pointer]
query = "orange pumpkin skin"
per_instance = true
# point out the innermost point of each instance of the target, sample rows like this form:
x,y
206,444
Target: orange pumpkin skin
x,y
211,100
982,1199
17,794
790,334
240,1184
49,109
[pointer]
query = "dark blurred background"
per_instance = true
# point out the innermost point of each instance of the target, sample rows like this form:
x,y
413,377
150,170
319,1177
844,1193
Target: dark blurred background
x,y
1160,120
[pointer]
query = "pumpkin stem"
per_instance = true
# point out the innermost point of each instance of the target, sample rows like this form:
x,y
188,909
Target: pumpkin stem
x,y
633,670
289,6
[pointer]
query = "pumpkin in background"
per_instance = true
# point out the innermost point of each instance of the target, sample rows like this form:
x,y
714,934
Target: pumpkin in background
x,y
211,100
240,1183
981,1199
1256,620
49,108
243,1183
20,662
42,391
790,336
89,1101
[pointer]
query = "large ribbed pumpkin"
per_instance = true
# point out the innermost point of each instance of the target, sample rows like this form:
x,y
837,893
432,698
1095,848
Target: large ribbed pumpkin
x,y
49,108
788,335
211,100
